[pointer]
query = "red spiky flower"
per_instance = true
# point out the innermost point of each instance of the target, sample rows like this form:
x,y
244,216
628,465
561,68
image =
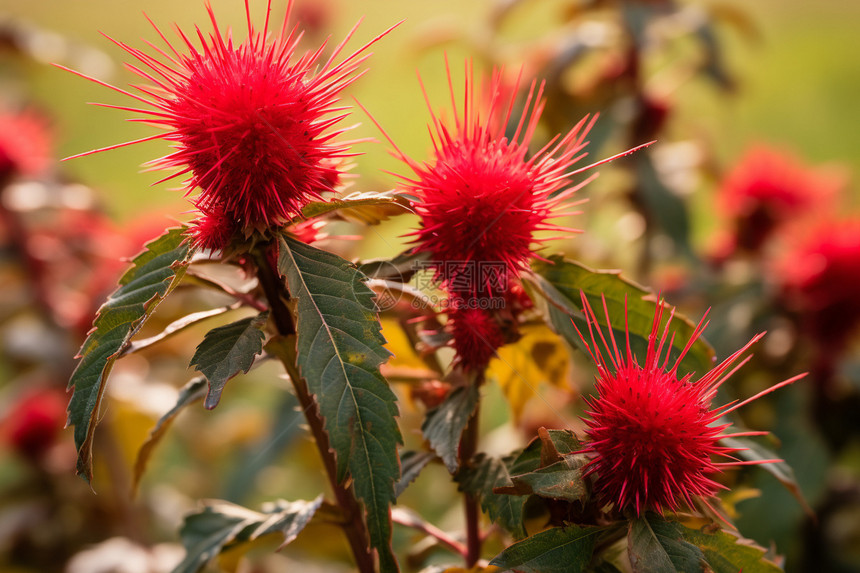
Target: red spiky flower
x,y
652,434
482,197
251,122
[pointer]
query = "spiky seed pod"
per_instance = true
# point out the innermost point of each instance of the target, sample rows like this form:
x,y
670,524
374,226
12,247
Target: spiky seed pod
x,y
476,335
653,435
253,123
482,196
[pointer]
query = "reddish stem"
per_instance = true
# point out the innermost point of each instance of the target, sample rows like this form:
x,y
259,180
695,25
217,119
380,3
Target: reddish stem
x,y
405,519
468,448
353,525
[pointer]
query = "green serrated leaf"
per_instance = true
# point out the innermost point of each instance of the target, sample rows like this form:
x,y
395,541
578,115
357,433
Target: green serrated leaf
x,y
750,450
193,391
565,441
368,208
411,464
549,467
154,274
484,474
206,533
726,553
656,545
340,349
561,480
556,550
228,350
444,424
529,460
560,281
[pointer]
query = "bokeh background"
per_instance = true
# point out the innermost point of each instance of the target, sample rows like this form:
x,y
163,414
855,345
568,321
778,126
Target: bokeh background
x,y
790,79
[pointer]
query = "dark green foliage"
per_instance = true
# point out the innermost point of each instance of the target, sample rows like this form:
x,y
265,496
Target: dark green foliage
x,y
480,478
228,350
656,545
340,349
411,464
560,282
154,274
556,550
221,524
444,424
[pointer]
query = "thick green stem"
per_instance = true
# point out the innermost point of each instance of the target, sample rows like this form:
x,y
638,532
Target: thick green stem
x,y
353,524
468,448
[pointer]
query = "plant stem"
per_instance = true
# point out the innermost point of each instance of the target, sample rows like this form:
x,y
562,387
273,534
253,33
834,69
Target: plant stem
x,y
353,525
217,285
406,518
468,448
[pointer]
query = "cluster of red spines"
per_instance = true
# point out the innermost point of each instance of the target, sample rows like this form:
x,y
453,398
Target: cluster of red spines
x,y
652,434
213,229
310,231
476,335
252,123
482,196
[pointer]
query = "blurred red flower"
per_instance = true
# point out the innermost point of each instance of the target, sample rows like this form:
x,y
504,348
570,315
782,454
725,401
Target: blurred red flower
x,y
34,422
819,274
476,335
25,144
767,188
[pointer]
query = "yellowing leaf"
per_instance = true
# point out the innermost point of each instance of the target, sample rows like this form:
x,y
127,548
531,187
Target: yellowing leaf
x,y
368,207
130,424
398,344
537,358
